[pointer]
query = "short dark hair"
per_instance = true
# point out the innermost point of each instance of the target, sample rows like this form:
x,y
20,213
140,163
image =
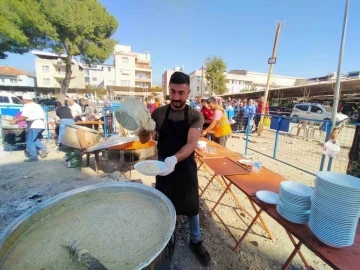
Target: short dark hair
x,y
203,100
211,100
180,78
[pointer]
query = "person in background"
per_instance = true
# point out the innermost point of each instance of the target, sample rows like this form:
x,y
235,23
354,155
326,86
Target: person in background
x,y
158,102
179,128
198,103
229,106
75,109
249,113
35,119
149,104
66,118
219,124
262,105
208,115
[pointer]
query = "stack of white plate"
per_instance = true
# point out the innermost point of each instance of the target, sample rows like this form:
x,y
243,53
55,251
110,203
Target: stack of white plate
x,y
294,202
335,208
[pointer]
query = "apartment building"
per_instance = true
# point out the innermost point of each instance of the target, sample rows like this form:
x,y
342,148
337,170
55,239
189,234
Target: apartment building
x,y
132,69
165,78
195,84
99,76
50,71
10,76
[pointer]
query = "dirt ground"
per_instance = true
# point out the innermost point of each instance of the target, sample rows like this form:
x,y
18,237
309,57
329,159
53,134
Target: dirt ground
x,y
302,151
18,180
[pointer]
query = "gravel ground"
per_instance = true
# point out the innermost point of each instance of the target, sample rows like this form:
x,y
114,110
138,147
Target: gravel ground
x,y
18,180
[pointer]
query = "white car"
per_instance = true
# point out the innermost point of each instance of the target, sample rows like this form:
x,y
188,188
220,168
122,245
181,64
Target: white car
x,y
315,112
7,99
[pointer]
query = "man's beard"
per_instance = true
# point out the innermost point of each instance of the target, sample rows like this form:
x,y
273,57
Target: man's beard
x,y
177,103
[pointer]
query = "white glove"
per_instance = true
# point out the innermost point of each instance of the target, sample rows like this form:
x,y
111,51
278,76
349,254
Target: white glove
x,y
170,163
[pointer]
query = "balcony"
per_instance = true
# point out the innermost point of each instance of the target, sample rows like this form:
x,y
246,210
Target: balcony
x,y
142,66
59,75
142,78
59,63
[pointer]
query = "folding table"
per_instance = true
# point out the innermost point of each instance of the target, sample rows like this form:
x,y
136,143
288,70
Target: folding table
x,y
347,258
223,168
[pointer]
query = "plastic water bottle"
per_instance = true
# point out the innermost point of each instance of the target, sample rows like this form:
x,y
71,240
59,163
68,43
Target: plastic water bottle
x,y
257,166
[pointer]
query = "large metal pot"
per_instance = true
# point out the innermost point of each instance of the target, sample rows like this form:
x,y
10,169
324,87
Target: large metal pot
x,y
13,135
36,239
71,137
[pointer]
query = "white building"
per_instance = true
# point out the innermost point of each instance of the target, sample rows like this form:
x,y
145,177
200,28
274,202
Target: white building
x,y
238,81
166,78
195,84
132,70
99,76
10,76
50,71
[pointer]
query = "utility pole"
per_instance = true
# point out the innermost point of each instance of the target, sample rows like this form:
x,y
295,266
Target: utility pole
x,y
271,62
202,81
338,78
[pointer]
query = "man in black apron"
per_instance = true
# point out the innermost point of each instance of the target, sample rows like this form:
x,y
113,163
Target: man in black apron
x,y
179,128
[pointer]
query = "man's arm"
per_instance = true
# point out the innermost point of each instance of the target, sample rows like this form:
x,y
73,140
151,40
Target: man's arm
x,y
189,147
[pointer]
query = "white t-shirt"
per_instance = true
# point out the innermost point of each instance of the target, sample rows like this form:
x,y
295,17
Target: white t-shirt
x,y
75,110
35,113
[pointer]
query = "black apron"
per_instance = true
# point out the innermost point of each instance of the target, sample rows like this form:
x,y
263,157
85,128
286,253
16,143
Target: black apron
x,y
28,127
180,186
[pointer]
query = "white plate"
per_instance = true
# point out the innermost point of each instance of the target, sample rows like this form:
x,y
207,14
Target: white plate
x,y
267,196
160,165
296,188
340,179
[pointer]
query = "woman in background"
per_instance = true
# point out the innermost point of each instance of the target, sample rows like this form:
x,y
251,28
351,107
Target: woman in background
x,y
66,118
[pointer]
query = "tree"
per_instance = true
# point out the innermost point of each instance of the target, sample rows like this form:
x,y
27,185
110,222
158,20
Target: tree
x,y
16,36
73,27
214,70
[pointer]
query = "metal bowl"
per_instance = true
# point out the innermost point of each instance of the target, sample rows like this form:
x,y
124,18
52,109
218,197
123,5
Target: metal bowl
x,y
40,226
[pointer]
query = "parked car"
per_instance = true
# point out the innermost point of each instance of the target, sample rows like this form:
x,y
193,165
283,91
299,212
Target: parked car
x,y
275,110
46,102
315,112
9,99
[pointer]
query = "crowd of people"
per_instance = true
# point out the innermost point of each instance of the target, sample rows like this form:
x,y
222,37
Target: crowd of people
x,y
241,110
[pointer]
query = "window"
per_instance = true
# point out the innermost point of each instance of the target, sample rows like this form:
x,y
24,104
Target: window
x,y
124,59
4,99
86,71
109,68
2,80
94,79
13,81
45,68
111,82
125,83
302,107
16,100
315,109
87,79
198,88
46,81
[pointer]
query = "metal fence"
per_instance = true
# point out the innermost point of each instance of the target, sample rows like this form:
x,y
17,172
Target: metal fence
x,y
299,142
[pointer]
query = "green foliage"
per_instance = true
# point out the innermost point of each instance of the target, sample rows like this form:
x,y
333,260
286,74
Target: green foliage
x,y
16,33
74,27
214,70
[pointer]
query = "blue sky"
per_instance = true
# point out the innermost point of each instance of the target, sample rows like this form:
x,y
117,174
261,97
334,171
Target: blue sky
x,y
185,32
